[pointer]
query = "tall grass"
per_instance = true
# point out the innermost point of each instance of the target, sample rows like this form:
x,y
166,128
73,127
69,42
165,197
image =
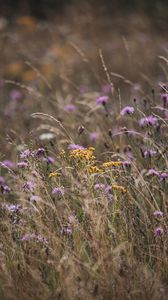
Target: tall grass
x,y
84,194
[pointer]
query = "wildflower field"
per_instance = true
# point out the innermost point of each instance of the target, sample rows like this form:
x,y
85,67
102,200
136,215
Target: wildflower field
x,y
83,157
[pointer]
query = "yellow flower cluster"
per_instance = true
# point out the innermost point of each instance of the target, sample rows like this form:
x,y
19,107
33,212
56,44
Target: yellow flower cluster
x,y
94,170
83,154
54,174
62,153
112,164
119,188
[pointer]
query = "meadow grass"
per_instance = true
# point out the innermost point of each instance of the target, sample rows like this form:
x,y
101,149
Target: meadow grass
x,y
84,170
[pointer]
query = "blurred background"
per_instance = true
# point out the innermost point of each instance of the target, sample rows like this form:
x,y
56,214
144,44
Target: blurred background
x,y
45,8
50,54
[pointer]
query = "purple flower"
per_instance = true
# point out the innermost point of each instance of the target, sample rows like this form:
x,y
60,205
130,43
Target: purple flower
x,y
102,100
75,146
28,186
99,186
127,110
15,95
28,237
13,208
25,154
22,165
7,164
149,153
93,136
127,163
41,239
106,189
40,152
164,97
35,237
158,213
70,107
5,189
67,230
158,231
148,121
163,176
50,160
58,191
152,172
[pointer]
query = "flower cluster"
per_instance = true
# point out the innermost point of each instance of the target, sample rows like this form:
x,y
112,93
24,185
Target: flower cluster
x,y
54,174
34,237
85,154
110,164
119,188
94,170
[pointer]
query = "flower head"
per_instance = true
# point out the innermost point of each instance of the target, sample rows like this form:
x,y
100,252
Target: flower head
x,y
13,208
129,110
158,213
40,152
83,154
70,107
119,188
67,229
5,189
22,165
149,153
7,164
35,238
110,164
159,231
163,176
28,186
102,100
25,154
148,121
99,186
164,97
57,191
49,159
127,163
54,174
152,172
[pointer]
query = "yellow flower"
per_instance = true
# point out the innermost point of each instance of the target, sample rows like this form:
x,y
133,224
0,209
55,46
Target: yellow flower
x,y
112,164
54,174
119,188
94,169
83,154
62,153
